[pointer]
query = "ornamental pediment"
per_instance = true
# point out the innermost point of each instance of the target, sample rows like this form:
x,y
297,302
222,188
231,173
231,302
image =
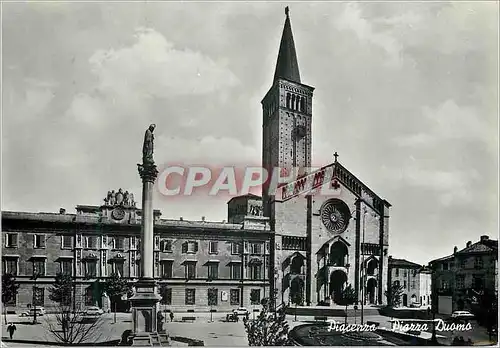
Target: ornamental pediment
x,y
119,198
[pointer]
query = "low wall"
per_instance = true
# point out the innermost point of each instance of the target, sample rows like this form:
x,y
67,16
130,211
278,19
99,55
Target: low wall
x,y
324,311
403,313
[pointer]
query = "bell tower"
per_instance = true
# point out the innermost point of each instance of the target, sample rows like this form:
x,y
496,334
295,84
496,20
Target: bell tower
x,y
287,111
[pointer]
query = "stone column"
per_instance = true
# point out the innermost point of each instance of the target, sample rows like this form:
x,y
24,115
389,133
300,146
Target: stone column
x,y
146,298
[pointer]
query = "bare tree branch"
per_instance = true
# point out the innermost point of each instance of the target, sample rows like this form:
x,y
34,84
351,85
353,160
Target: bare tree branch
x,y
69,327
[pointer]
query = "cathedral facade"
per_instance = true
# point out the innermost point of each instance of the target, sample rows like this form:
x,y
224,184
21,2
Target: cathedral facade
x,y
330,230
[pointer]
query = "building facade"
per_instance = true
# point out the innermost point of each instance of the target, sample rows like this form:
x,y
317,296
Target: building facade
x,y
191,257
414,280
322,242
468,278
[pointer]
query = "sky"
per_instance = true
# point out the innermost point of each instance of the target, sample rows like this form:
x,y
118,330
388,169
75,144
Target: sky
x,y
406,93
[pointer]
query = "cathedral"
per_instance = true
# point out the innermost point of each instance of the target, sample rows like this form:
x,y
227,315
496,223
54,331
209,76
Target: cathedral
x,y
322,243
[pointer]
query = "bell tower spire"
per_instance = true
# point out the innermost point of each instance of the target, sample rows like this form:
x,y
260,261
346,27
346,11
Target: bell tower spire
x,y
287,66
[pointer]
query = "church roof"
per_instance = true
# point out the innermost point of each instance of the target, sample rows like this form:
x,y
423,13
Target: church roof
x,y
287,66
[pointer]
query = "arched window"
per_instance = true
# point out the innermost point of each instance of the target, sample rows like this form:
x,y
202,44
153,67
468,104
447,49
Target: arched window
x,y
302,104
288,100
293,101
297,103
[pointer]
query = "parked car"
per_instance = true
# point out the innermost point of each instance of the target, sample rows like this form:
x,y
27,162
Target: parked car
x,y
462,315
241,311
93,311
232,317
31,312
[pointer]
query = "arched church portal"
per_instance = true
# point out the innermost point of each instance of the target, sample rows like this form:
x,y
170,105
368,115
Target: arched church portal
x,y
338,254
338,280
371,287
297,291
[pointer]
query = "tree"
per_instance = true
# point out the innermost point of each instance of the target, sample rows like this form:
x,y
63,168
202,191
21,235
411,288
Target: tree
x,y
348,298
297,297
212,300
394,295
270,328
72,327
61,290
116,286
9,291
164,294
254,299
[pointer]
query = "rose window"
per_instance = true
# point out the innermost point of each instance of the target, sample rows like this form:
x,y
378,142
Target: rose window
x,y
335,215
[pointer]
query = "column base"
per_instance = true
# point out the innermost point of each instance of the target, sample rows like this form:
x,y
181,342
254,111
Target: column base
x,y
144,309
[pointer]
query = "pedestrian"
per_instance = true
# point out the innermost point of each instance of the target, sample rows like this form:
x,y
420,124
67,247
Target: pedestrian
x,y
171,317
11,328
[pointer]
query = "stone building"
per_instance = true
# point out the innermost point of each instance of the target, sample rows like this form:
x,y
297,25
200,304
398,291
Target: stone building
x,y
191,257
414,279
322,241
466,279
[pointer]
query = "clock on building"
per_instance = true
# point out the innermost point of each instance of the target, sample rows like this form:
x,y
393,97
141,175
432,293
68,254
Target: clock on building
x,y
118,214
335,215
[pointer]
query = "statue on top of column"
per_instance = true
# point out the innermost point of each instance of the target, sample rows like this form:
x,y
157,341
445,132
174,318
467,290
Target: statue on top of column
x,y
147,149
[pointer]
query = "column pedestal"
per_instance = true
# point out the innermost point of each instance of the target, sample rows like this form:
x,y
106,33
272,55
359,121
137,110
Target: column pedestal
x,y
144,311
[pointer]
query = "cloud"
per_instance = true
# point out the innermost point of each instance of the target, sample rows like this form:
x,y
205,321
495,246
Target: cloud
x,y
152,67
352,19
449,122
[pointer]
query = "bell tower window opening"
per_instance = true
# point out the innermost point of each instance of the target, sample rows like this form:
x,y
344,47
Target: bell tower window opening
x,y
288,100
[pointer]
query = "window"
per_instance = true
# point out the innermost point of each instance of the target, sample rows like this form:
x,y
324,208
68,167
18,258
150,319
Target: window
x,y
119,243
213,296
235,297
167,269
190,296
10,266
213,247
67,242
404,284
11,240
396,283
257,248
478,262
89,296
445,284
39,267
460,281
91,269
190,247
463,263
235,271
39,297
414,273
38,241
404,273
166,246
190,270
66,267
255,296
445,266
397,272
413,284
91,242
213,270
236,248
118,268
255,271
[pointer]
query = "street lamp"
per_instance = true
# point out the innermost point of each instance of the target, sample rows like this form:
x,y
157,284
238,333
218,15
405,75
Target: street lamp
x,y
35,297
